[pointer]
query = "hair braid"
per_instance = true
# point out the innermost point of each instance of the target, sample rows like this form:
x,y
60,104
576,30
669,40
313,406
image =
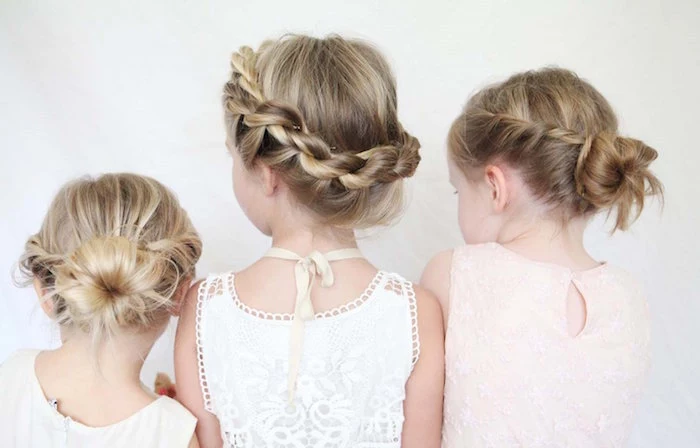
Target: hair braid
x,y
261,118
561,134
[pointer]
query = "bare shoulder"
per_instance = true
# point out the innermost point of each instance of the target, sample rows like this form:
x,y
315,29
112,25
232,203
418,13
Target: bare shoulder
x,y
431,330
187,319
189,307
425,386
426,301
436,278
438,268
430,318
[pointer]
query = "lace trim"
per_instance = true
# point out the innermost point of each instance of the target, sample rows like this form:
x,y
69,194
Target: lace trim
x,y
203,293
284,317
413,310
404,288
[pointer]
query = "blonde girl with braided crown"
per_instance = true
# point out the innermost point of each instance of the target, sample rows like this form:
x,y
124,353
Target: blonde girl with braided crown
x,y
545,346
111,263
311,345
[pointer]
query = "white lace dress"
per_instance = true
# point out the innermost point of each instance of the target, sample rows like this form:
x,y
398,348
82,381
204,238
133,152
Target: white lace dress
x,y
514,375
351,381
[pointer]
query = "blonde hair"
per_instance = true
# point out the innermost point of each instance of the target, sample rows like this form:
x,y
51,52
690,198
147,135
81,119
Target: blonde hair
x,y
561,134
323,114
111,252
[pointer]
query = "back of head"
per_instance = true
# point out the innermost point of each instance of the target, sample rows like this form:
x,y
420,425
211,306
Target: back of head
x,y
561,135
111,252
323,114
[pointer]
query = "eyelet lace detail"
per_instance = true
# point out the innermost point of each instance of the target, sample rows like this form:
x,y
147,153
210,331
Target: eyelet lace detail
x,y
413,310
283,317
209,288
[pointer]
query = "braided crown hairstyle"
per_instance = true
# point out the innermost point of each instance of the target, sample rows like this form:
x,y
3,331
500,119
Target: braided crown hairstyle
x,y
561,134
323,114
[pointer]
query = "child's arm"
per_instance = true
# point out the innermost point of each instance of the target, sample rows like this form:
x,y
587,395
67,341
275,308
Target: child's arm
x,y
424,389
189,392
436,279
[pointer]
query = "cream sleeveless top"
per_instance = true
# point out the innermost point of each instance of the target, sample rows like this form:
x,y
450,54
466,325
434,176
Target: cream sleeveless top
x,y
307,379
28,420
514,375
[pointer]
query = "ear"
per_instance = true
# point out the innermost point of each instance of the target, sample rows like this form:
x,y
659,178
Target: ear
x,y
179,296
500,191
45,303
270,179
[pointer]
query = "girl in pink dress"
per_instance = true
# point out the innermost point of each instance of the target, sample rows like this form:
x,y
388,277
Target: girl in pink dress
x,y
545,346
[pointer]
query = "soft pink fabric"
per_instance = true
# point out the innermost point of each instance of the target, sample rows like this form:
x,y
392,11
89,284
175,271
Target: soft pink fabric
x,y
515,377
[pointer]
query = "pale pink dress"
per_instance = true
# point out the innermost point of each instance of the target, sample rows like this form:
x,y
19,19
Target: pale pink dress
x,y
516,378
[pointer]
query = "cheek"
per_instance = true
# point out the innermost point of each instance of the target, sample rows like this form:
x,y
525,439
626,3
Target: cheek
x,y
240,188
250,197
473,215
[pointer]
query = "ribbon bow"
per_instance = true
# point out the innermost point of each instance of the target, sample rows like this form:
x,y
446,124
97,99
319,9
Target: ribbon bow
x,y
305,272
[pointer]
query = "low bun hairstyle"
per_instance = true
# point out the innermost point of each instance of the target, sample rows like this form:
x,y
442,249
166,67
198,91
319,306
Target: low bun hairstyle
x,y
561,134
323,114
111,253
613,173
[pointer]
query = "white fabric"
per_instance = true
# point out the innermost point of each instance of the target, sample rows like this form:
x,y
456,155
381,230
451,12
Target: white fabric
x,y
305,273
27,420
355,362
514,375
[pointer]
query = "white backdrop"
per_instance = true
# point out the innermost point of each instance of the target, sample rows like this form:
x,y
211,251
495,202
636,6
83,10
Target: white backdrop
x,y
96,86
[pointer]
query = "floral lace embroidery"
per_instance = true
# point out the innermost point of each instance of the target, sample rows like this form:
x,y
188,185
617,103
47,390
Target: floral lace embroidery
x,y
514,375
366,295
351,386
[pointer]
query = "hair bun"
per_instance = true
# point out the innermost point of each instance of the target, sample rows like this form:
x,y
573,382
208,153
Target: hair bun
x,y
613,172
409,156
108,276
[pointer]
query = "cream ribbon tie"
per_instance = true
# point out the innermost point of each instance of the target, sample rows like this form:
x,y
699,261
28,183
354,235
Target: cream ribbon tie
x,y
305,272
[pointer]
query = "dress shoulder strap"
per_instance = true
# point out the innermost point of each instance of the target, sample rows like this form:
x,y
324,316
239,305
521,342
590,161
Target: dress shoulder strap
x,y
214,285
399,286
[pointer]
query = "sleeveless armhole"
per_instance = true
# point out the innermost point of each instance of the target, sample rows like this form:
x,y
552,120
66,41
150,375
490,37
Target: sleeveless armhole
x,y
413,312
405,288
207,289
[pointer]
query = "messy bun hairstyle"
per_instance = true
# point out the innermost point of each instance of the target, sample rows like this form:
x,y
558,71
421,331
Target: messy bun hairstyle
x,y
323,114
561,134
111,252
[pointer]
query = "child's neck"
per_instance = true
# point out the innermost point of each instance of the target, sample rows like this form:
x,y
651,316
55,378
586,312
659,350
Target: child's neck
x,y
549,241
304,240
96,387
116,363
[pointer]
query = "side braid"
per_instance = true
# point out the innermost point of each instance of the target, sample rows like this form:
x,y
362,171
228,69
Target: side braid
x,y
562,136
526,140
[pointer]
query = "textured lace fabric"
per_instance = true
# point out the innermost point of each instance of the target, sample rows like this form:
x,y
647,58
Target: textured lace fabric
x,y
351,384
516,378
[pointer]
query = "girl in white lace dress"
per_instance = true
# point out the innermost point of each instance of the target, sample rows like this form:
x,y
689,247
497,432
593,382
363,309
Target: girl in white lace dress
x,y
311,345
111,263
545,346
